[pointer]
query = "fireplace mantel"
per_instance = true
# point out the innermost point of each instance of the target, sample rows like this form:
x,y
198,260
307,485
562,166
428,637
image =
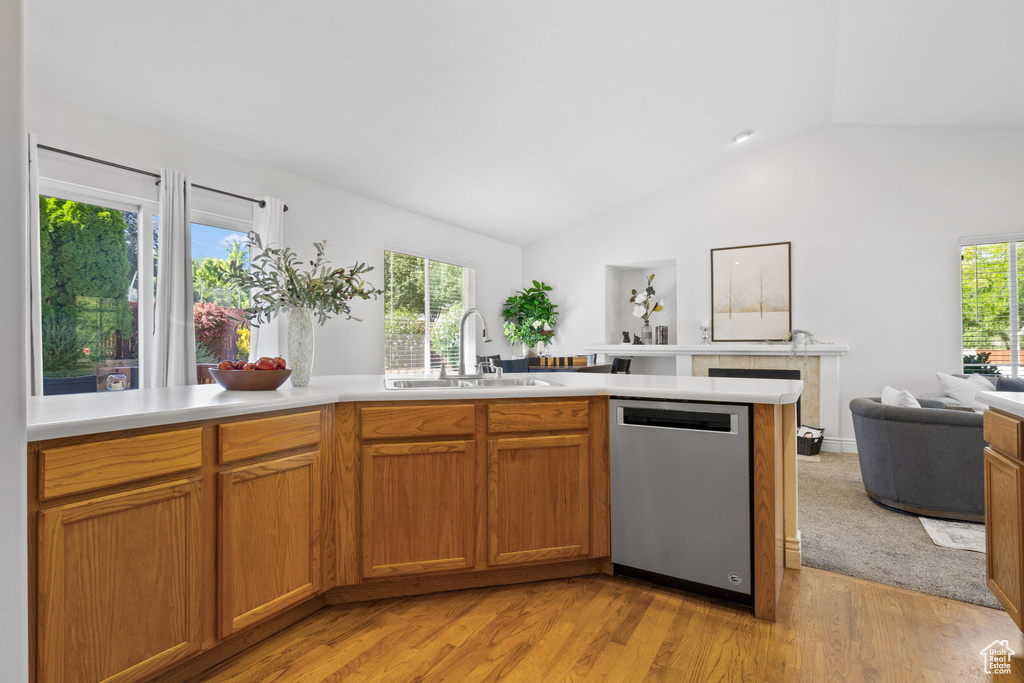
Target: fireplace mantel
x,y
716,349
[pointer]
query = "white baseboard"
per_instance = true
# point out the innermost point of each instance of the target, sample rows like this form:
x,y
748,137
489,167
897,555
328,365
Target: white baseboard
x,y
834,445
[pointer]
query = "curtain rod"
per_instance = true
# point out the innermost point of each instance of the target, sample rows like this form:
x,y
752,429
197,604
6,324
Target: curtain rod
x,y
261,202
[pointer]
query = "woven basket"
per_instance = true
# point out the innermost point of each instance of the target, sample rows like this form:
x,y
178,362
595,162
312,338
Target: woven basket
x,y
809,445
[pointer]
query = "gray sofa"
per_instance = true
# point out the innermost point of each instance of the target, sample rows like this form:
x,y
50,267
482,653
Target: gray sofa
x,y
924,461
949,401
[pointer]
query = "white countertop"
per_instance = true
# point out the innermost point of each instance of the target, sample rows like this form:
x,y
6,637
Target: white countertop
x,y
1007,401
51,417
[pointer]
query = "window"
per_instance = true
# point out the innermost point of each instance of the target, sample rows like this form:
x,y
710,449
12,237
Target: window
x,y
423,304
220,333
89,293
991,303
96,251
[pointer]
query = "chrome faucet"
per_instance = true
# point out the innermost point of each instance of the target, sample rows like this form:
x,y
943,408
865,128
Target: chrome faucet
x,y
489,366
462,335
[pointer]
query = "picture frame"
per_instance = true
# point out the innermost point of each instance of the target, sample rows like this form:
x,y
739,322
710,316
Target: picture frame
x,y
751,293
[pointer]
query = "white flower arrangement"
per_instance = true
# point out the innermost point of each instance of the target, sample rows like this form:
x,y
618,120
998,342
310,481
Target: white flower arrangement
x,y
644,303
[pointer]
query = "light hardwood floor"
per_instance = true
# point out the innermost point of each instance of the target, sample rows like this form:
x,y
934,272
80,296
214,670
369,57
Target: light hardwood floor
x,y
599,628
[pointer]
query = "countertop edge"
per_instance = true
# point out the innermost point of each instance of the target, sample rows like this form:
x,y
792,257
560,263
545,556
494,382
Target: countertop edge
x,y
83,426
1007,401
334,390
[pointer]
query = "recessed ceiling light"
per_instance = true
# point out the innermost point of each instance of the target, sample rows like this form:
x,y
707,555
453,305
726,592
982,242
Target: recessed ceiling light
x,y
742,135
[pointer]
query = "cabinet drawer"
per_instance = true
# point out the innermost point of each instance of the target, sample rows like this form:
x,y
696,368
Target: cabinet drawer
x,y
1003,433
72,469
506,418
240,440
414,421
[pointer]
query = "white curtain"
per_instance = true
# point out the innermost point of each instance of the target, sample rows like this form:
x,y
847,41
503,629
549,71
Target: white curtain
x,y
174,337
33,313
269,339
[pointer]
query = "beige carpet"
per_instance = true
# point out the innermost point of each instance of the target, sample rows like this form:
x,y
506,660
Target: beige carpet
x,y
842,531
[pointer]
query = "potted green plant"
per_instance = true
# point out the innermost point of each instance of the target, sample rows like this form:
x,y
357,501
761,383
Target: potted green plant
x,y
277,281
530,316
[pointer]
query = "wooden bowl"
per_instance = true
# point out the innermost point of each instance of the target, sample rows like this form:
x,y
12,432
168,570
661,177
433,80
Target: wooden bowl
x,y
250,380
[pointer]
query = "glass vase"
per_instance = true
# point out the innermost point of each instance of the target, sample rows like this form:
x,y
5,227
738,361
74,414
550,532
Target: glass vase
x,y
647,333
300,345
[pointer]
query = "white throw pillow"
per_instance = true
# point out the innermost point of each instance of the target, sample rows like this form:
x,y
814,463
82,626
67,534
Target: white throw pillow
x,y
896,397
965,390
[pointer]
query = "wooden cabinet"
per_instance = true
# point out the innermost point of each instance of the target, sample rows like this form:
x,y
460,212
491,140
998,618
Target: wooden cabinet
x,y
268,539
265,435
119,584
535,416
418,507
1004,530
158,549
65,470
537,498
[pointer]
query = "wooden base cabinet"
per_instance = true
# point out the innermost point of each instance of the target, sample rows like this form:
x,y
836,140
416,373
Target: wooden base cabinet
x,y
269,526
537,498
119,584
1004,530
418,507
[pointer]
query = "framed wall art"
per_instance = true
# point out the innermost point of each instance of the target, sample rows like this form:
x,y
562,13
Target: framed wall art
x,y
750,293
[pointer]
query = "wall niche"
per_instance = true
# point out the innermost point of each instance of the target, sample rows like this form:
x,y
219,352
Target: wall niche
x,y
620,279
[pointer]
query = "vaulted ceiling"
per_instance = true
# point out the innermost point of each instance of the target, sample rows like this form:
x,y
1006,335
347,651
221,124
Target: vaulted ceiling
x,y
517,118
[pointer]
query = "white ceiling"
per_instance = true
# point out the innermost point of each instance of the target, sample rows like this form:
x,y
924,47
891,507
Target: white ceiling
x,y
931,63
523,117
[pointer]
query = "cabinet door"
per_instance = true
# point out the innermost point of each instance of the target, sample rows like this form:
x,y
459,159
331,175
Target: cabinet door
x,y
1004,531
119,584
269,526
537,498
418,507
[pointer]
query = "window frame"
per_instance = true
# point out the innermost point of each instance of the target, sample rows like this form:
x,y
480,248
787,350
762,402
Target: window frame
x,y
146,210
469,295
1010,239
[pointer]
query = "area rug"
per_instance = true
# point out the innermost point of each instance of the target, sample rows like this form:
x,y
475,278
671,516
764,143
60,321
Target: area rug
x,y
842,531
956,535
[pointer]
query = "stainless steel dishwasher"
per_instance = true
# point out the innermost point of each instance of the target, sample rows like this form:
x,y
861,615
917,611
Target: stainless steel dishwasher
x,y
681,495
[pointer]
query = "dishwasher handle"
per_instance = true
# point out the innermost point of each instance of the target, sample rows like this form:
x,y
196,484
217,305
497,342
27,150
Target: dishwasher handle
x,y
687,420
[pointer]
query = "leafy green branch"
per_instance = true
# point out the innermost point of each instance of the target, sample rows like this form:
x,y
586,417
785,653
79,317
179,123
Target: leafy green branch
x,y
277,280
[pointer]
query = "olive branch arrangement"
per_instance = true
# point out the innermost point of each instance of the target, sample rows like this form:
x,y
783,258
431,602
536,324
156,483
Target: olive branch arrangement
x,y
277,280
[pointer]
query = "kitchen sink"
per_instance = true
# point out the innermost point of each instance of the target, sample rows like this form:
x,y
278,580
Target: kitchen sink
x,y
512,382
467,383
425,383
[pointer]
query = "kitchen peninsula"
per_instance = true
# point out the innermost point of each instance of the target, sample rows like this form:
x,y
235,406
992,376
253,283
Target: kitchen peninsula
x,y
172,528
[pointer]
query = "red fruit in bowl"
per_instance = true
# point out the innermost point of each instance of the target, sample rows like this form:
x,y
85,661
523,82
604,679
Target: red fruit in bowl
x,y
240,364
266,364
226,365
249,366
282,364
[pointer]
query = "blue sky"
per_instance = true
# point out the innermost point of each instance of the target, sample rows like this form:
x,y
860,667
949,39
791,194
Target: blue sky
x,y
210,241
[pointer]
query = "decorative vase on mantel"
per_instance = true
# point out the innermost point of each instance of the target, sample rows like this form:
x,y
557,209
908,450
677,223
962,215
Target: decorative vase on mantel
x,y
300,345
647,333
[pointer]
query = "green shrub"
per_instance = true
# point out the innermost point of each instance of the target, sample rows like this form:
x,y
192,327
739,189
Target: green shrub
x,y
62,351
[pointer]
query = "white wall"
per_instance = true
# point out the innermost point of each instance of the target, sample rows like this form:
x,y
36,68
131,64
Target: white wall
x,y
355,227
874,213
13,484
